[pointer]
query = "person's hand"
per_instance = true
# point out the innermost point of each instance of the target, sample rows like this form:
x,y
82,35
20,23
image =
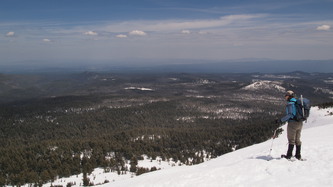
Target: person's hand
x,y
278,121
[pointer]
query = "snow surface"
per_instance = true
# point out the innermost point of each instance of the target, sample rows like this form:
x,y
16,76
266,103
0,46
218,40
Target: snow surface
x,y
99,176
137,88
265,85
244,167
249,166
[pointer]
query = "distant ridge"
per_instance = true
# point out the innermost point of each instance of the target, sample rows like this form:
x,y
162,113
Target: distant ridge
x,y
310,66
177,66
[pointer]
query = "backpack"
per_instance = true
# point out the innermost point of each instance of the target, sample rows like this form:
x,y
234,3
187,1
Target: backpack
x,y
302,106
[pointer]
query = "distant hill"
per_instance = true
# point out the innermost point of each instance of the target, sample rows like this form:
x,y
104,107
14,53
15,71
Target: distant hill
x,y
272,66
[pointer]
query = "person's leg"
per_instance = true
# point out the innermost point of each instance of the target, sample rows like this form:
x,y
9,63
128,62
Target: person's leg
x,y
298,140
291,135
298,130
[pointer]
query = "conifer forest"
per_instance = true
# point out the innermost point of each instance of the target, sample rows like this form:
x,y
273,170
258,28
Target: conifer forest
x,y
58,125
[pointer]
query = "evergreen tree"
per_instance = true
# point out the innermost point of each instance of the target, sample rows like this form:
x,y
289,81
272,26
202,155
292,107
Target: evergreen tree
x,y
85,180
133,164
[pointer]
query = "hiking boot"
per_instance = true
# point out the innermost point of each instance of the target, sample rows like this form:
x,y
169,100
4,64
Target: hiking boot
x,y
289,152
298,152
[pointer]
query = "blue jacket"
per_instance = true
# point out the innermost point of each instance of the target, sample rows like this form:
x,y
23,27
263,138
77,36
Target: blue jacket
x,y
290,111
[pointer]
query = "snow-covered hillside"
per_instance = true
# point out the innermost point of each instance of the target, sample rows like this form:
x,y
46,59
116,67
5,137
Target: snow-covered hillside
x,y
249,166
244,167
265,85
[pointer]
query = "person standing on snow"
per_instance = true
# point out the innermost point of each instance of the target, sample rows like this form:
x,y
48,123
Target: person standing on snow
x,y
294,127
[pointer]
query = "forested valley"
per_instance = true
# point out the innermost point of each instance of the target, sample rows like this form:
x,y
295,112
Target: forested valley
x,y
58,126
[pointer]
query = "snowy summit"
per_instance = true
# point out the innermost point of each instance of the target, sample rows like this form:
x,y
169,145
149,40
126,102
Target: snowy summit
x,y
249,166
265,85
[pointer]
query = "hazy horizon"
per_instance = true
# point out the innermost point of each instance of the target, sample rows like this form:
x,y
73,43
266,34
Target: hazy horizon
x,y
72,32
174,66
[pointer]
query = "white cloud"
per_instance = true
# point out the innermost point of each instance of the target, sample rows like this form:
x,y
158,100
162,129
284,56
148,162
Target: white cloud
x,y
46,40
203,32
323,28
91,33
121,36
186,32
10,34
240,36
170,25
137,33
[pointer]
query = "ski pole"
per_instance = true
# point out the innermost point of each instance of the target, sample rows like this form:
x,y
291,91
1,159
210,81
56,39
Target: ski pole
x,y
274,136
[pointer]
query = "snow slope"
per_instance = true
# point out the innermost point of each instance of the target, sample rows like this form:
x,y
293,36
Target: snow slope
x,y
265,85
99,176
249,166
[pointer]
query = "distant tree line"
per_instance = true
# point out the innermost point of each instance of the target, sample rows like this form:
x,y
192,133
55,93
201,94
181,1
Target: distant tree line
x,y
326,105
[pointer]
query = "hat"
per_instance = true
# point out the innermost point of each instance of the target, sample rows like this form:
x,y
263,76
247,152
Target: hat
x,y
290,93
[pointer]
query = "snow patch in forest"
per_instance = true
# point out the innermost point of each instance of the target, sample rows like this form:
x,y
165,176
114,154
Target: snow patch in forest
x,y
138,88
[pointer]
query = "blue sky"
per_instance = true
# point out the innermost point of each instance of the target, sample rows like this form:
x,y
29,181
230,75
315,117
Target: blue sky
x,y
48,31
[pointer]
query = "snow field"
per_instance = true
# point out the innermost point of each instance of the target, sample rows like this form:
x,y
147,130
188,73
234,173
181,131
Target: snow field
x,y
99,176
244,167
249,166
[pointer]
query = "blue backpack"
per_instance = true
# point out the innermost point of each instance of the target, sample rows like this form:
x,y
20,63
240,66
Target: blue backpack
x,y
302,106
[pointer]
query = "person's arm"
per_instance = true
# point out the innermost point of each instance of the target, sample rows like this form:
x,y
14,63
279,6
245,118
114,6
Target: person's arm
x,y
289,115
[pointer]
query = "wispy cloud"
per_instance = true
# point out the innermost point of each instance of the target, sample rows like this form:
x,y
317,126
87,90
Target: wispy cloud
x,y
324,28
186,32
121,36
91,33
46,40
200,24
232,36
137,33
10,34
